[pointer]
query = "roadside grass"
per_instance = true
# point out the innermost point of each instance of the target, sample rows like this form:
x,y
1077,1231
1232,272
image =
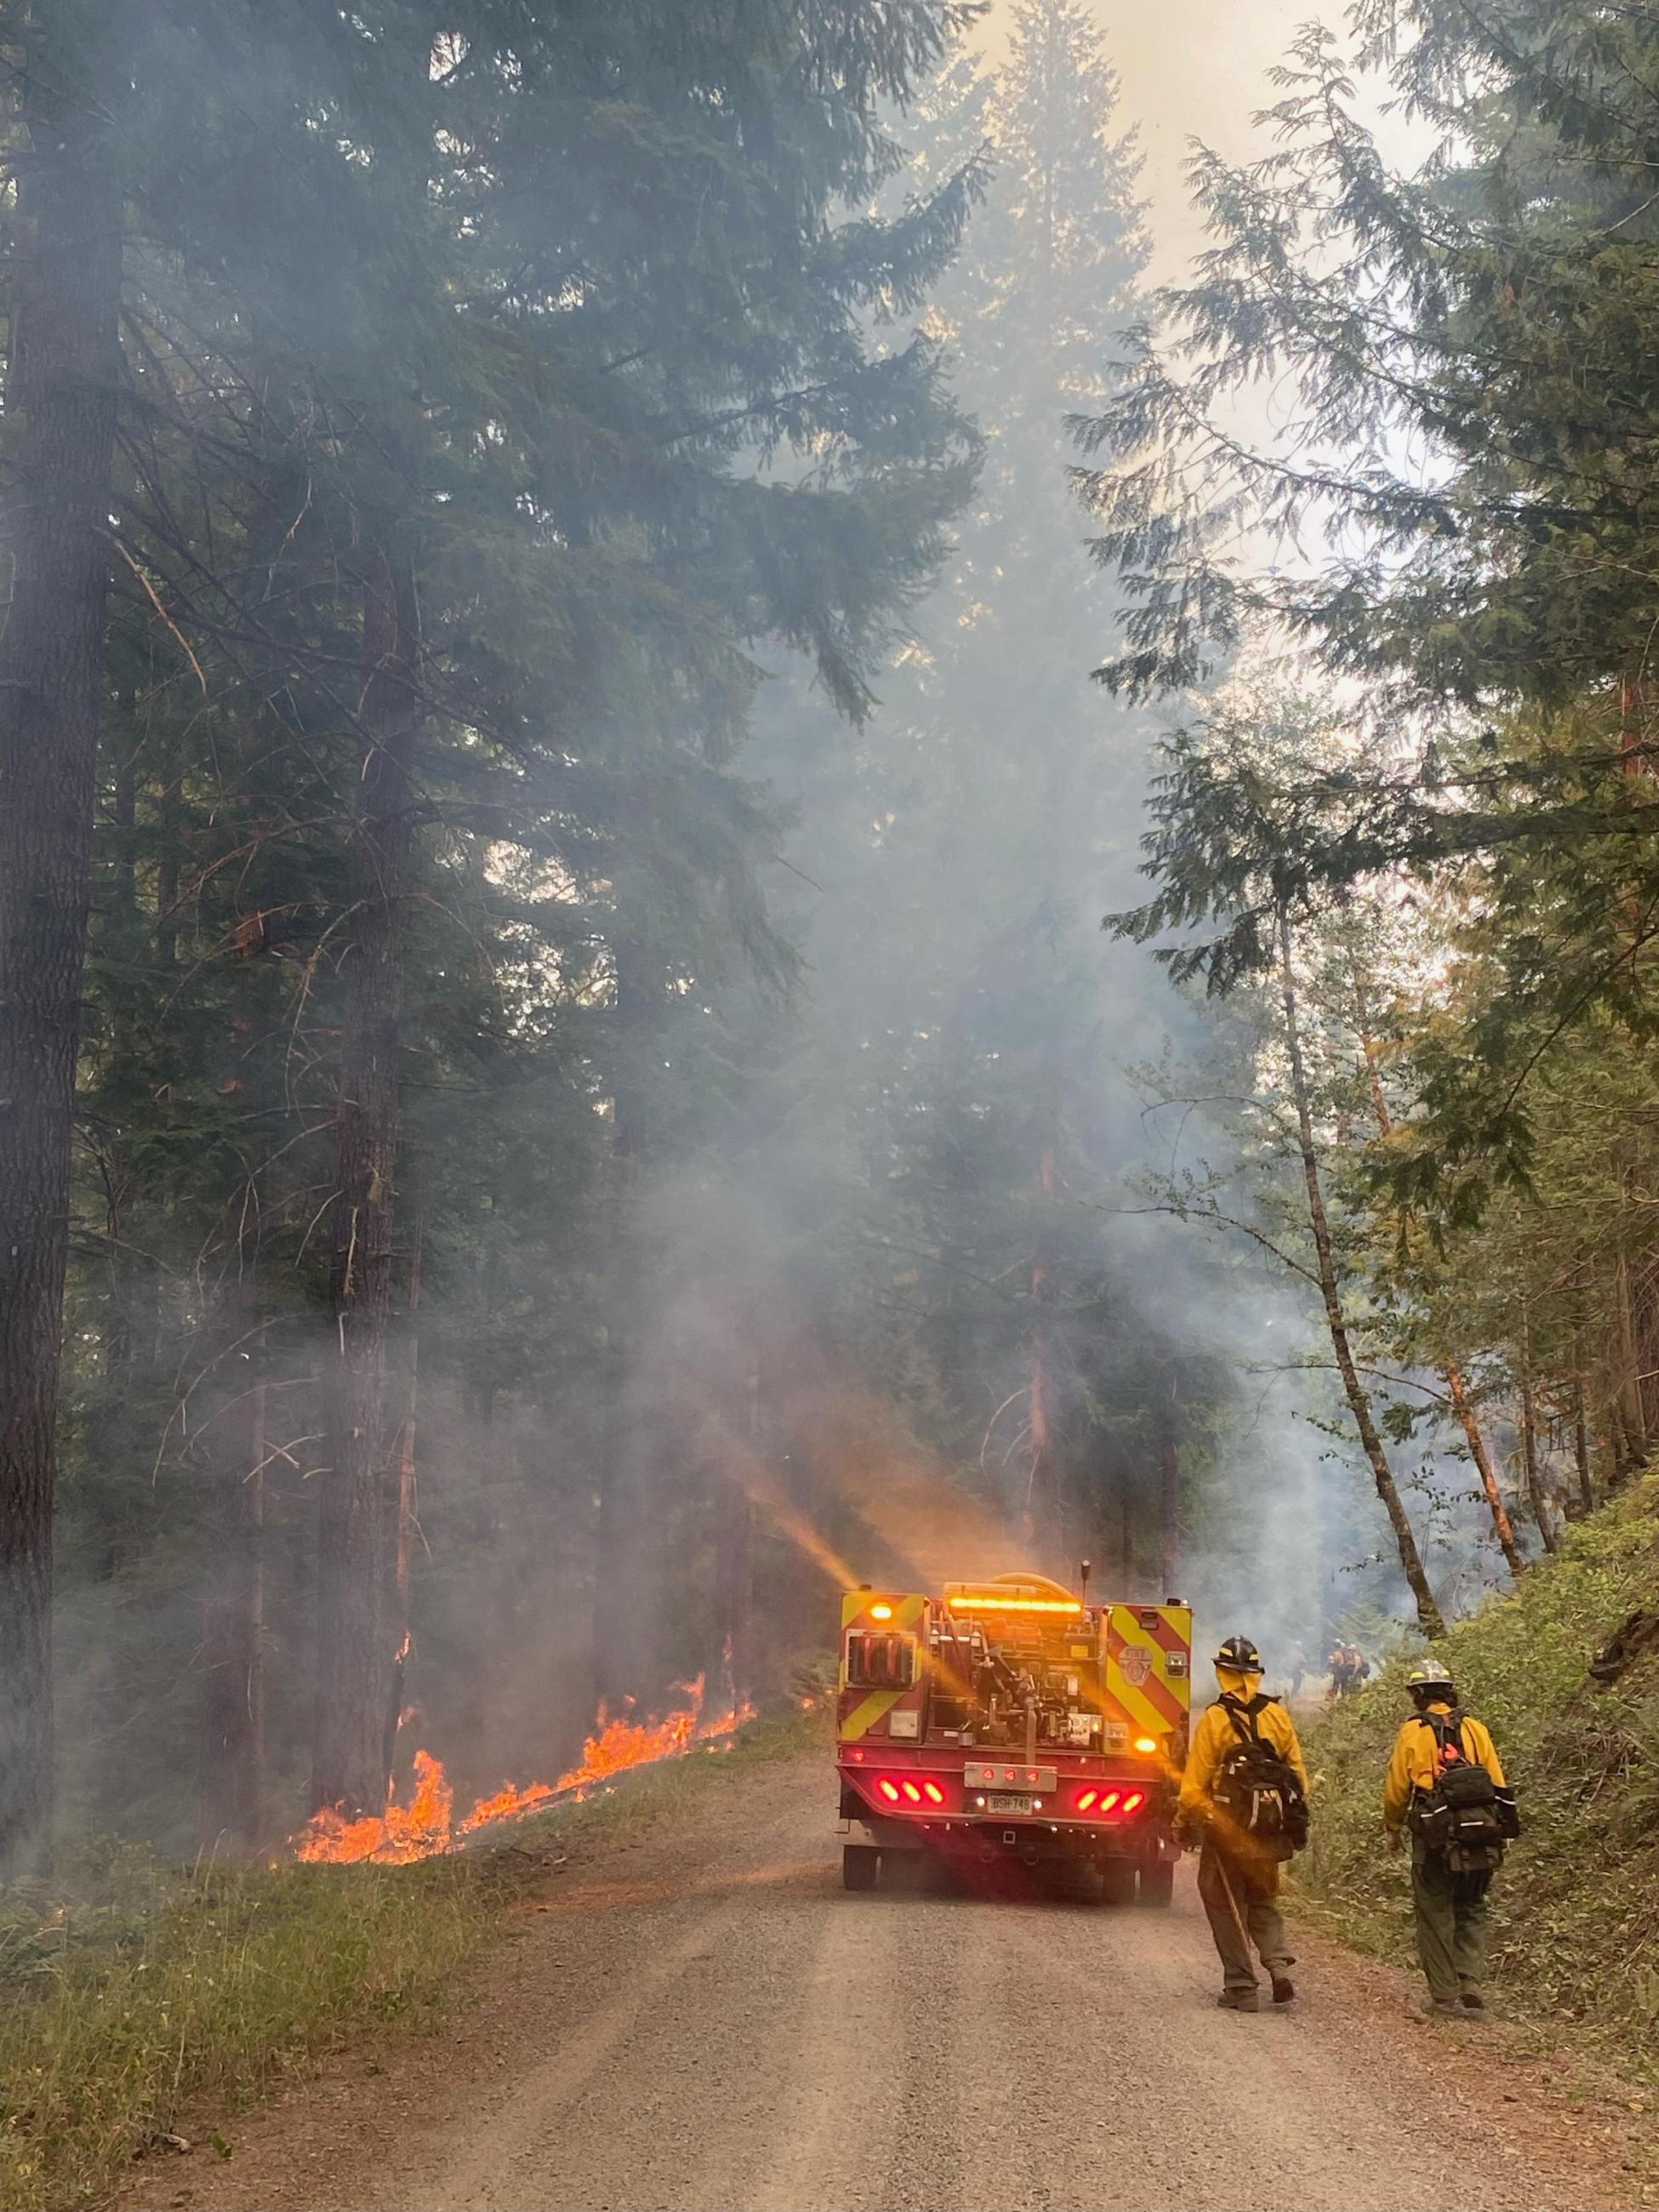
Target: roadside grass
x,y
1575,1909
132,1992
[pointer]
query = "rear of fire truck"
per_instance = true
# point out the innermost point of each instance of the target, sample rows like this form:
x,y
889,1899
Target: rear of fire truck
x,y
1011,1720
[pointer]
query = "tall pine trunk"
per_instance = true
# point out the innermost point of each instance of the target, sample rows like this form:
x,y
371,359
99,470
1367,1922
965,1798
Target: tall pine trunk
x,y
1644,1337
1171,1515
60,417
734,1564
623,1644
1632,1400
1429,1615
233,1633
1503,1527
405,1480
356,1635
1581,1448
1462,1406
1040,1522
1537,1498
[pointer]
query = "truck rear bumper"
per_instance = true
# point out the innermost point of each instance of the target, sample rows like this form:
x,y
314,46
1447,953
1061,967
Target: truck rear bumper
x,y
1028,1841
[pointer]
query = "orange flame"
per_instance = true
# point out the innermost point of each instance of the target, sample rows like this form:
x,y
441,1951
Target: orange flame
x,y
406,1833
426,1827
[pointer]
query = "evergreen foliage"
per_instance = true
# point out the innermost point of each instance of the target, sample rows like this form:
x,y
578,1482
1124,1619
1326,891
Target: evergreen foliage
x,y
1447,543
492,386
961,1065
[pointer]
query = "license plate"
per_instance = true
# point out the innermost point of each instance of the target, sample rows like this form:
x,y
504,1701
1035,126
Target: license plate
x,y
1008,1804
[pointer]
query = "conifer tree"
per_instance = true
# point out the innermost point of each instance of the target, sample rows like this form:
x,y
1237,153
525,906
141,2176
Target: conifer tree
x,y
961,996
64,305
559,347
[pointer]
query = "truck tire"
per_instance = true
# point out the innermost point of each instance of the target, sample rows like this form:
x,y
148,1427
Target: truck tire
x,y
861,1866
1117,1881
1074,1883
1158,1884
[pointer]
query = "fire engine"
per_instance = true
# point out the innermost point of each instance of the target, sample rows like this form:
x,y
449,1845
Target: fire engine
x,y
1010,1720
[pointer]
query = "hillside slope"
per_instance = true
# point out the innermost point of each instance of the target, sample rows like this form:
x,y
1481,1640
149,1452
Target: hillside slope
x,y
1577,1907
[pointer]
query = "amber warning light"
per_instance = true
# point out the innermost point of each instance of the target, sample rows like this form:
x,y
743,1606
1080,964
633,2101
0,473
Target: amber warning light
x,y
990,1602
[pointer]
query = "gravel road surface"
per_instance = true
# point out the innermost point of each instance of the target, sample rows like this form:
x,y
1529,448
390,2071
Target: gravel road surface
x,y
705,2023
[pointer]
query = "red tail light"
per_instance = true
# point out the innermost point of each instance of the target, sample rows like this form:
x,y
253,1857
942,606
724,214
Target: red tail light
x,y
888,1791
933,1793
1122,1802
912,1792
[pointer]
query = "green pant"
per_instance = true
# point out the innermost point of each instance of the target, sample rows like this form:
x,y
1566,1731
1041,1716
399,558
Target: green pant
x,y
1242,1901
1451,1924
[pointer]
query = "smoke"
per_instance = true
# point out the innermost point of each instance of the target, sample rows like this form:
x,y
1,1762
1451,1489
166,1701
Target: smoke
x,y
1199,69
760,1291
946,1250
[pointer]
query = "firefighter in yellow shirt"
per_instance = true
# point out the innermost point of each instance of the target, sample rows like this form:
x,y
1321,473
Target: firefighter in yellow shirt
x,y
1228,1793
1448,1883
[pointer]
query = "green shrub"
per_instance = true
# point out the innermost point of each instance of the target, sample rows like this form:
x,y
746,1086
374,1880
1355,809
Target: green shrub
x,y
1576,1906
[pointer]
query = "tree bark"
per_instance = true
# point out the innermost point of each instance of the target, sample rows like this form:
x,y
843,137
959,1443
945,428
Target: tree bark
x,y
623,1645
1581,1449
734,1550
406,1521
1630,1400
356,1634
1127,1587
1462,1407
1503,1527
1171,1513
1626,1457
1040,1518
60,413
1629,723
1644,1335
232,1637
1535,1494
1429,1615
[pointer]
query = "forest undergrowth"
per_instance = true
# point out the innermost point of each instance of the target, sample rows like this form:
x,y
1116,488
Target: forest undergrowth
x,y
1576,1905
134,1994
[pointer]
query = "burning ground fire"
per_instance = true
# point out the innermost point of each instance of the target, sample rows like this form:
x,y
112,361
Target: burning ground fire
x,y
426,1827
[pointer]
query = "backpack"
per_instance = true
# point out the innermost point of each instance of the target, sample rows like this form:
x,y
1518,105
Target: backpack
x,y
1256,1786
1465,1816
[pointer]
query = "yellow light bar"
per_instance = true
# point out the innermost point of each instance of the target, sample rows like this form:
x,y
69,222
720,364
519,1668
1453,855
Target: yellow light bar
x,y
987,1604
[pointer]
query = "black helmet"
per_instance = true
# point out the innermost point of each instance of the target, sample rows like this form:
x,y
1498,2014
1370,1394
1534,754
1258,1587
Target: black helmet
x,y
1241,1654
1430,1679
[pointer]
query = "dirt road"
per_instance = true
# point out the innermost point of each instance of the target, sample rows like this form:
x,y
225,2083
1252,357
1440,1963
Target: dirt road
x,y
706,2023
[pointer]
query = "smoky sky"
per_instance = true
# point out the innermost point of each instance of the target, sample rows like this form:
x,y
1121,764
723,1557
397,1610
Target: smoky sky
x,y
1197,69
